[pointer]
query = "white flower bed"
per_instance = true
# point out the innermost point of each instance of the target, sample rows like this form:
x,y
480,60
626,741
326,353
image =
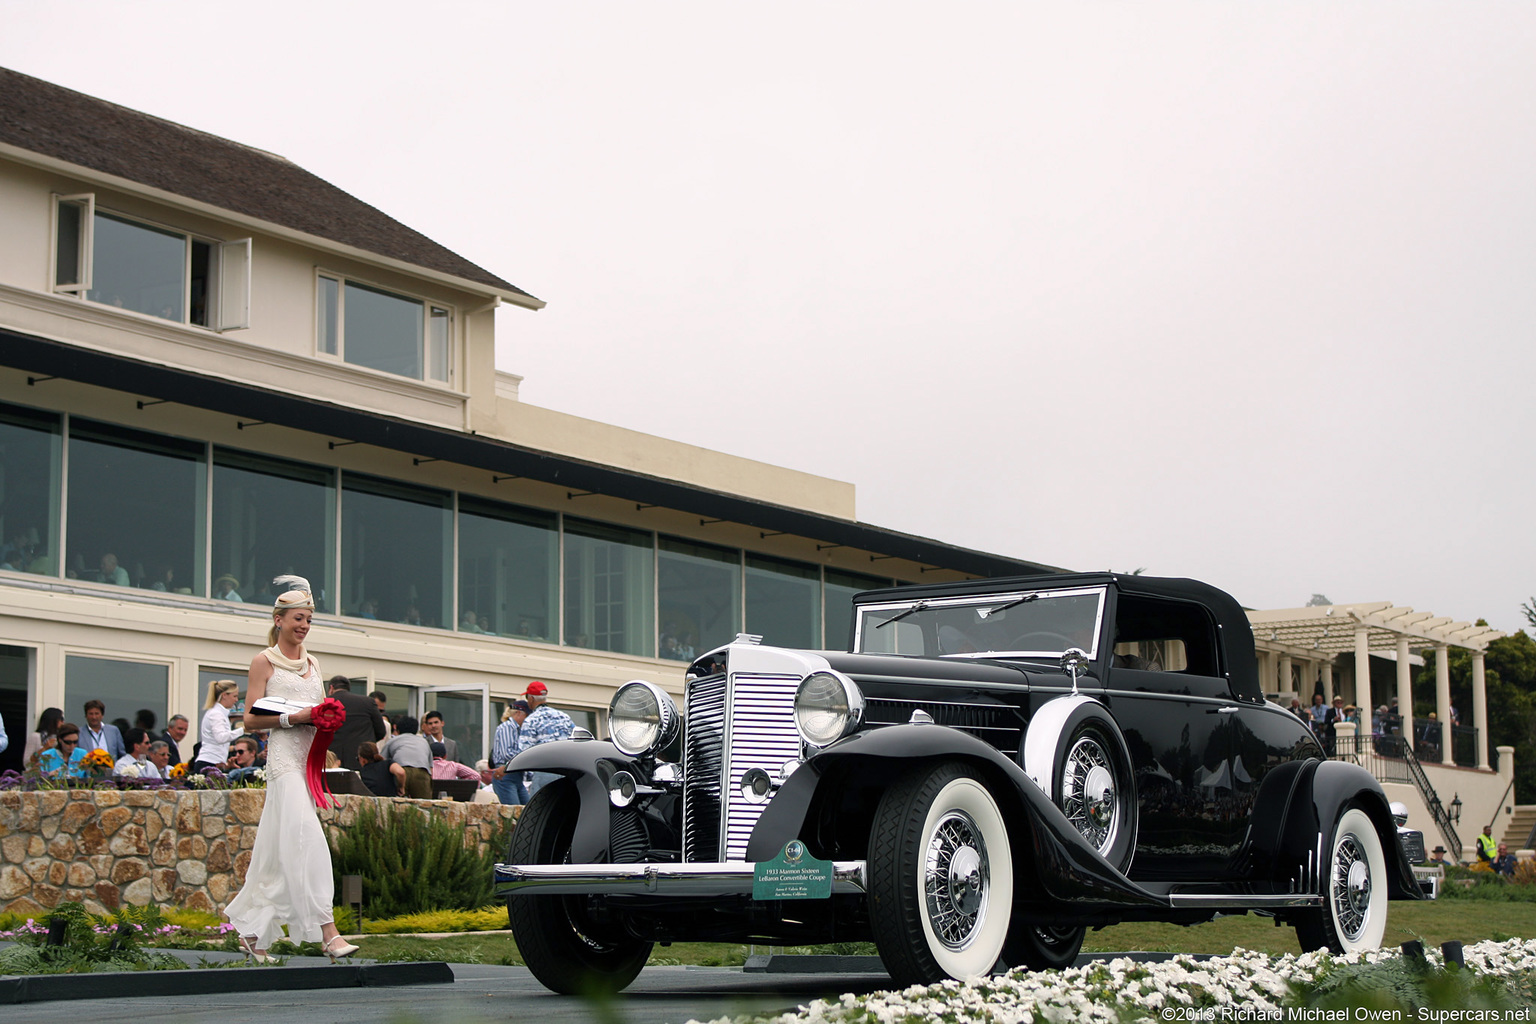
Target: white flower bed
x,y
1252,986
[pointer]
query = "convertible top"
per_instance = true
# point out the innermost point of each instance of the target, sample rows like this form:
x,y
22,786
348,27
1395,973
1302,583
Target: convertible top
x,y
1234,631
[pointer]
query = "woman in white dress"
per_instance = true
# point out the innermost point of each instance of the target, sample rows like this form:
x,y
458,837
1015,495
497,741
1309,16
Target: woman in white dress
x,y
289,878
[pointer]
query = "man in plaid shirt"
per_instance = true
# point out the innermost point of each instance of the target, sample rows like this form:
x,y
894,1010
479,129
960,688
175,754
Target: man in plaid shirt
x,y
542,725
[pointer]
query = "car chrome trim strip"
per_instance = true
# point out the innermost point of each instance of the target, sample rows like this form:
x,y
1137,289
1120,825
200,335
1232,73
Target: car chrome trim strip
x,y
701,879
1206,899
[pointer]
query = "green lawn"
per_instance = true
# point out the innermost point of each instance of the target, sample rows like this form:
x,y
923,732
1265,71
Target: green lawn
x,y
1433,923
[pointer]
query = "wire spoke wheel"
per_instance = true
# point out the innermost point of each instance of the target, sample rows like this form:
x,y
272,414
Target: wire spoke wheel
x,y
1350,888
1089,795
1353,916
956,879
940,876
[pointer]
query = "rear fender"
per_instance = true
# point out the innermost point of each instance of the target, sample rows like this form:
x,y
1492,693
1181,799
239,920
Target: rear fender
x,y
1321,797
1063,863
590,764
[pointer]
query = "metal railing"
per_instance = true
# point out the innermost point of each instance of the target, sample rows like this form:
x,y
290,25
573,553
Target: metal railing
x,y
1389,759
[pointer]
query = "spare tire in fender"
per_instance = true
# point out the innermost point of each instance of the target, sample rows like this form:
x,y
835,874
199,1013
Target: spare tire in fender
x,y
1074,751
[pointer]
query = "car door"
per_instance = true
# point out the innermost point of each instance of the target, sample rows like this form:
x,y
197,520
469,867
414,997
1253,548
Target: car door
x,y
1175,707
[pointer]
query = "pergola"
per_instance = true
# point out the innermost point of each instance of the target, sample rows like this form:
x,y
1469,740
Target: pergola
x,y
1318,633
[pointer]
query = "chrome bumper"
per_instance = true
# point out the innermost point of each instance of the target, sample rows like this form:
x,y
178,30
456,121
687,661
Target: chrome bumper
x,y
732,878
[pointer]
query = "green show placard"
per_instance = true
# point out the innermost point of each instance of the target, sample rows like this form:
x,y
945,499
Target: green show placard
x,y
793,875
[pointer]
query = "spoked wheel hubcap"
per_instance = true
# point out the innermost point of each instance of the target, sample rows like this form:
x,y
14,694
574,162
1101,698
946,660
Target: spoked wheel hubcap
x,y
956,878
1090,799
1351,887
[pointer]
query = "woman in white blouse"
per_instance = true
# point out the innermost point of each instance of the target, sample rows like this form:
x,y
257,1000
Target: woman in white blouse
x,y
216,732
47,729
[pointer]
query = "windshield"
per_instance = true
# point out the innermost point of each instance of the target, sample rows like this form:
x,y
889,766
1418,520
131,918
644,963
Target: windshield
x,y
1017,624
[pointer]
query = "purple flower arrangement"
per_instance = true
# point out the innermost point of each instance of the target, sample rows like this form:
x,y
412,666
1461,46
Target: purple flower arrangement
x,y
209,778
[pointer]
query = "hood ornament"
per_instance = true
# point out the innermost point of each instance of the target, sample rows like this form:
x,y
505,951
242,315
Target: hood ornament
x,y
1074,661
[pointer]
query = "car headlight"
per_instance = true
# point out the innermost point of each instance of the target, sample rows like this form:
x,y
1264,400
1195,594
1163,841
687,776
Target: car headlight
x,y
642,718
828,706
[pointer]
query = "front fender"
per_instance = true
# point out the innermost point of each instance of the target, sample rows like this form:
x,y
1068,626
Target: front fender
x,y
590,764
1068,868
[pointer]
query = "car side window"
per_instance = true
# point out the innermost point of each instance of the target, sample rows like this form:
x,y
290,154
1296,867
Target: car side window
x,y
1171,638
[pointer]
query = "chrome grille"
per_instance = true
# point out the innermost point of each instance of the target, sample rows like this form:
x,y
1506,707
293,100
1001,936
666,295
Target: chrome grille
x,y
733,725
762,735
703,744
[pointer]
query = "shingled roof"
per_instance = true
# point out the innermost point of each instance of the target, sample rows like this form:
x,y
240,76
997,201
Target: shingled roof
x,y
53,121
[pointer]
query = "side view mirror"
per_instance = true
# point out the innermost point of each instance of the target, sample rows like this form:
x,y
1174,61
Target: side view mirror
x,y
1074,661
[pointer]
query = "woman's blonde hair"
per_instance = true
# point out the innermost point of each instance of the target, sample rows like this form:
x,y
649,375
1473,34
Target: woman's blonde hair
x,y
218,688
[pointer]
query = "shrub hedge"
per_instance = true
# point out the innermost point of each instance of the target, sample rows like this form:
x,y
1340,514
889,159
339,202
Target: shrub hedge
x,y
411,863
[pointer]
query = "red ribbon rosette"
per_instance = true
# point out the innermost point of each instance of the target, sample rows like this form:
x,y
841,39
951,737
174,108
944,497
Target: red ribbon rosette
x,y
326,717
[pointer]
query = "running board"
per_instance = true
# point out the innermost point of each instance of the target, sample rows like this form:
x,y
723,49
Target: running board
x,y
733,878
1244,901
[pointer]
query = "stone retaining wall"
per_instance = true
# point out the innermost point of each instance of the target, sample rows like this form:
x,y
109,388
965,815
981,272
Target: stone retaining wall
x,y
187,848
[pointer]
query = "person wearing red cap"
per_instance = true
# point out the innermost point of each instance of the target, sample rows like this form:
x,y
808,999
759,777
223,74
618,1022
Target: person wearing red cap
x,y
543,725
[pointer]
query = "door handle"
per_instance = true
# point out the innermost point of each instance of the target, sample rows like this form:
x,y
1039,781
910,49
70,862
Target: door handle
x,y
1227,709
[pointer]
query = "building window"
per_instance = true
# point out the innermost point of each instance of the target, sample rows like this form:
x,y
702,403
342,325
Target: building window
x,y
160,272
784,602
396,552
206,675
15,685
609,596
383,330
271,517
125,687
507,570
136,508
837,604
698,590
29,490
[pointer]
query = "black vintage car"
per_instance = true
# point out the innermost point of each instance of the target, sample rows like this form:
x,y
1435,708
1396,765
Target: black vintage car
x,y
997,766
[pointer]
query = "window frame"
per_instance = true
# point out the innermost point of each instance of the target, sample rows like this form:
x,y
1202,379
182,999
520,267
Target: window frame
x,y
229,271
430,358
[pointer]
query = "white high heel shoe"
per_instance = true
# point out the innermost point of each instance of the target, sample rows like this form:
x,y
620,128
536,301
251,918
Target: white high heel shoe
x,y
248,944
337,948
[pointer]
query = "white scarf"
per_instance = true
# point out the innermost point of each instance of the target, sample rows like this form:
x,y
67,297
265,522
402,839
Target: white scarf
x,y
297,667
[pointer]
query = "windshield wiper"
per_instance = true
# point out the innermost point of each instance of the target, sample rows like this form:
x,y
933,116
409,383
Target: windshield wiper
x,y
989,612
903,614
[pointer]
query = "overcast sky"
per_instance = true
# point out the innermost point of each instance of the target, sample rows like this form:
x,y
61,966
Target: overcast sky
x,y
1243,292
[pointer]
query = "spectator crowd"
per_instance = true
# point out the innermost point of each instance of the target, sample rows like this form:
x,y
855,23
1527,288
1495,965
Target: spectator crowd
x,y
394,755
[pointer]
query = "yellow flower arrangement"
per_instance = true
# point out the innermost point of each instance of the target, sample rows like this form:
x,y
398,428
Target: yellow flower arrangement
x,y
178,771
96,760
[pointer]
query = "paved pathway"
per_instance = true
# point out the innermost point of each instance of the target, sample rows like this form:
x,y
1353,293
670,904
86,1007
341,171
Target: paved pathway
x,y
481,994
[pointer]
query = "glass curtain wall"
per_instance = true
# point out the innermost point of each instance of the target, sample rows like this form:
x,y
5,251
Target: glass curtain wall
x,y
136,505
837,604
30,450
609,591
396,552
125,687
136,508
698,596
784,602
508,580
271,517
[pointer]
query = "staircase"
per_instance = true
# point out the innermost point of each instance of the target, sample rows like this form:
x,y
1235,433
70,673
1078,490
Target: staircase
x,y
1522,826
